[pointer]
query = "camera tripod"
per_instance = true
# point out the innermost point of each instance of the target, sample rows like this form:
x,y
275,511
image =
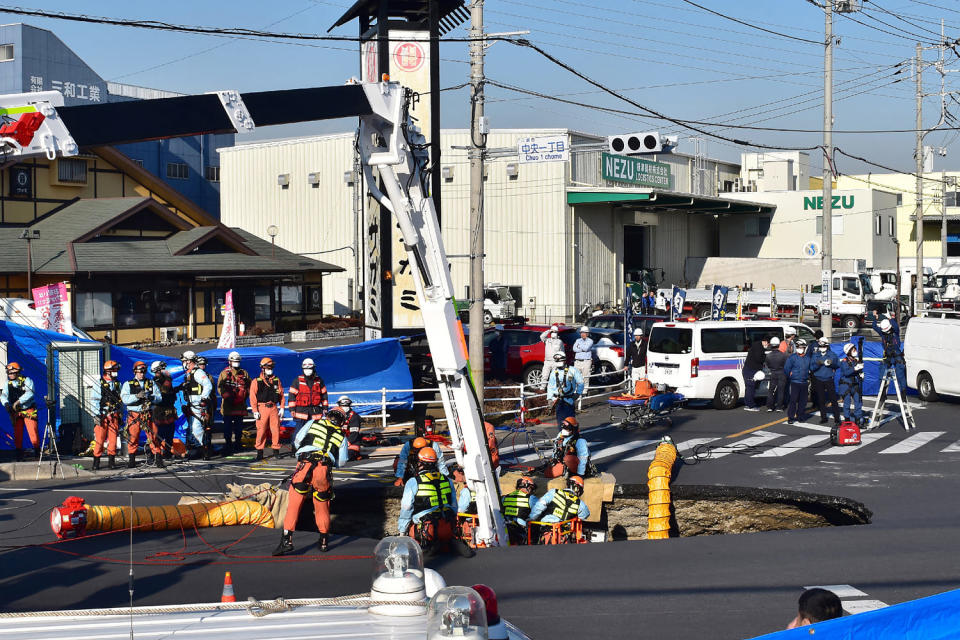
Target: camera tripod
x,y
48,433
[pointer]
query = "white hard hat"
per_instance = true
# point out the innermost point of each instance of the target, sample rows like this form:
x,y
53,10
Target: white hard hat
x,y
638,331
789,331
554,328
584,329
885,325
157,365
307,363
774,341
824,342
758,376
234,356
188,355
559,356
848,348
344,401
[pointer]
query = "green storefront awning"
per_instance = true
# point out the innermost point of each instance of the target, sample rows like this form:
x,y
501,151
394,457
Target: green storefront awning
x,y
588,197
655,200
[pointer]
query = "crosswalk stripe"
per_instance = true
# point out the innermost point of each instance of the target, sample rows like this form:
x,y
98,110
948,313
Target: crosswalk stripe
x,y
758,437
792,446
840,590
814,427
686,445
620,448
865,439
953,448
861,606
915,441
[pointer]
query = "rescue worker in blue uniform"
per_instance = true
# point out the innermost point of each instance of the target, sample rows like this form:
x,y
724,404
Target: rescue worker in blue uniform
x,y
560,505
197,389
516,507
851,383
407,460
571,452
428,508
321,445
824,365
797,371
564,386
889,331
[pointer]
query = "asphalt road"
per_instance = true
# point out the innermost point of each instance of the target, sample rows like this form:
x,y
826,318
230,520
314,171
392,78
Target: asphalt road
x,y
732,586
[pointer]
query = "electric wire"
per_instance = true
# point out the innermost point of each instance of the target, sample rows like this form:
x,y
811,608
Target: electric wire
x,y
752,26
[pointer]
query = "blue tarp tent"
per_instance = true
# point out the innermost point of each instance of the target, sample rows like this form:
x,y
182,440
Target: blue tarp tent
x,y
933,618
872,369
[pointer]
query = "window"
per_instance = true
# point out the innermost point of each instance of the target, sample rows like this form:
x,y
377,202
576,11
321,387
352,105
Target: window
x,y
212,174
891,226
520,338
6,52
899,199
94,310
879,225
137,162
757,226
671,340
290,299
261,303
178,170
723,340
171,307
851,285
837,225
758,334
133,308
72,170
804,333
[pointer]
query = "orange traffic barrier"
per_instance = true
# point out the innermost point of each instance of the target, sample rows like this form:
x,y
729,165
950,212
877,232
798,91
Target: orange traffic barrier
x,y
658,485
228,595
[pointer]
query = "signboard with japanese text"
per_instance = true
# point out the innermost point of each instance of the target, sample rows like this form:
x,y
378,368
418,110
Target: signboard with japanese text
x,y
70,89
636,171
228,336
676,306
718,310
53,304
21,182
543,149
825,291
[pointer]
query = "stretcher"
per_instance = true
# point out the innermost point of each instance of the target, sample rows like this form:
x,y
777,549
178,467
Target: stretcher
x,y
628,410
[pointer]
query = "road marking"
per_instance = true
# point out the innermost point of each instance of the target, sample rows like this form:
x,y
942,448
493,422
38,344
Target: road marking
x,y
953,448
752,429
915,441
758,438
815,427
792,446
846,591
860,606
687,445
865,439
621,448
840,590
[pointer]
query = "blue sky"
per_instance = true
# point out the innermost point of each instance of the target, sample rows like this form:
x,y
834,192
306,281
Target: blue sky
x,y
667,54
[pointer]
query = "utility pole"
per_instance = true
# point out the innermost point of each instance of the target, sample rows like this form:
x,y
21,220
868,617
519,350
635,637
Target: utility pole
x,y
826,240
918,295
478,143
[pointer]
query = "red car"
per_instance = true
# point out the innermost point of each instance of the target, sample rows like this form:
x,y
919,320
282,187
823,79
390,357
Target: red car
x,y
521,351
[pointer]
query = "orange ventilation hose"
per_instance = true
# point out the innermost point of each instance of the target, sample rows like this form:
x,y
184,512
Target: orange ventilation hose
x,y
658,485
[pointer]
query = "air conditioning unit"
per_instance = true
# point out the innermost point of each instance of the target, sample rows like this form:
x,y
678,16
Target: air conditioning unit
x,y
169,334
737,185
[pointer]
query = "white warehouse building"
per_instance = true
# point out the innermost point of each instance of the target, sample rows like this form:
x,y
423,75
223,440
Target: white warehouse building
x,y
564,232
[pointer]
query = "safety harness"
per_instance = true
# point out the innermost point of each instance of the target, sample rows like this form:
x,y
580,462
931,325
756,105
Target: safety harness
x,y
566,504
516,505
433,490
327,438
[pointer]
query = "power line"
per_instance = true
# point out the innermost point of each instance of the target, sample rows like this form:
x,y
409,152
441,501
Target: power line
x,y
752,26
902,19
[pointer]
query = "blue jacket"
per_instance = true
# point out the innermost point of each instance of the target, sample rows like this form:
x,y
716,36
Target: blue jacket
x,y
824,365
891,341
342,454
405,453
583,452
583,349
583,512
132,402
406,506
565,383
196,402
797,368
464,498
26,399
849,376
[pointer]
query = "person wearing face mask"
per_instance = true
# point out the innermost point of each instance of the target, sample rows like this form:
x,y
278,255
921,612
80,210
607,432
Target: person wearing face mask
x,y
824,365
106,397
164,412
552,346
18,399
851,383
797,372
209,408
137,395
777,390
571,452
266,402
233,384
308,395
636,357
196,389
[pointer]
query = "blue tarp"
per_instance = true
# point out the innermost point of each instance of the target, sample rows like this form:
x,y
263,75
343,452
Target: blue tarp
x,y
368,365
933,618
872,369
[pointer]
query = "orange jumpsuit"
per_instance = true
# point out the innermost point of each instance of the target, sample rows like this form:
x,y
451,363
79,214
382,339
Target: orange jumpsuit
x,y
266,398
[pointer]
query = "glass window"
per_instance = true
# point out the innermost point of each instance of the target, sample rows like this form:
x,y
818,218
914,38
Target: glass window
x,y
879,225
72,170
891,226
6,52
133,308
671,340
178,170
757,334
290,298
94,309
851,285
723,340
489,337
171,307
804,332
212,174
261,303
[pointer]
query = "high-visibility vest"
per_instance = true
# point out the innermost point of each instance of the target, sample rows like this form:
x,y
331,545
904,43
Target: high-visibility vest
x,y
309,395
516,505
269,390
433,490
16,388
190,385
325,436
109,396
566,504
136,386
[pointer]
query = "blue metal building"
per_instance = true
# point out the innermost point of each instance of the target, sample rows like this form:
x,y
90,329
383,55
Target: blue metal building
x,y
33,59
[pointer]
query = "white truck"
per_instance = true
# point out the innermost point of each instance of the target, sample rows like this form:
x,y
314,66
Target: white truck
x,y
390,143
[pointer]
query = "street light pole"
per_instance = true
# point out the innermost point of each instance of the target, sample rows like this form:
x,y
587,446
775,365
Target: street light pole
x,y
826,241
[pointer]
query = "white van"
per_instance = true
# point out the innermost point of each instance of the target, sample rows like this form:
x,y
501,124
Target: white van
x,y
704,360
931,362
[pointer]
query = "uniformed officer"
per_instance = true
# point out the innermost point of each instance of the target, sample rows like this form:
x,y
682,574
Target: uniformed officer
x,y
106,397
18,399
851,383
428,509
138,395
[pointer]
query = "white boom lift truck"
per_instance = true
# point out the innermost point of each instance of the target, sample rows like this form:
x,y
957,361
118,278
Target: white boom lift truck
x,y
389,144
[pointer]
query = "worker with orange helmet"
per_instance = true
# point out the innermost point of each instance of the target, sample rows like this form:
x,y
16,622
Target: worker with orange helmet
x,y
109,406
428,509
559,505
320,445
138,395
405,465
516,507
18,399
571,452
266,403
197,389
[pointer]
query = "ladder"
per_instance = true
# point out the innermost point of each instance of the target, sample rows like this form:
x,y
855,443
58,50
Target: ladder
x,y
906,416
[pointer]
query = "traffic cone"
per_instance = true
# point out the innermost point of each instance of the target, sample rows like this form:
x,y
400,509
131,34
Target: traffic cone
x,y
228,595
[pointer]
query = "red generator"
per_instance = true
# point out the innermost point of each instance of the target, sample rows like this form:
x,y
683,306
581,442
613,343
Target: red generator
x,y
846,433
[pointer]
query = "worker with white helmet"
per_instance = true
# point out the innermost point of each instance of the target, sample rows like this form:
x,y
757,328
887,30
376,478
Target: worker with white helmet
x,y
552,346
636,357
889,330
351,426
788,346
564,387
777,390
583,355
308,395
824,364
851,383
164,411
196,389
233,384
797,371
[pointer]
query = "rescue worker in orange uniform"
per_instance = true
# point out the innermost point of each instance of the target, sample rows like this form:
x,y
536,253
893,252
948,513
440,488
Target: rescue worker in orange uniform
x,y
266,403
18,399
351,427
321,445
106,397
308,395
138,395
571,452
164,413
405,464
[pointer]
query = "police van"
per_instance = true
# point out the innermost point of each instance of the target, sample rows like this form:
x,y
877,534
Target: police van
x,y
704,360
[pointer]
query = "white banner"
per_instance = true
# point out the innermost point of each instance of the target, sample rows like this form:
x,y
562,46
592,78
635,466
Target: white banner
x,y
228,336
54,306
